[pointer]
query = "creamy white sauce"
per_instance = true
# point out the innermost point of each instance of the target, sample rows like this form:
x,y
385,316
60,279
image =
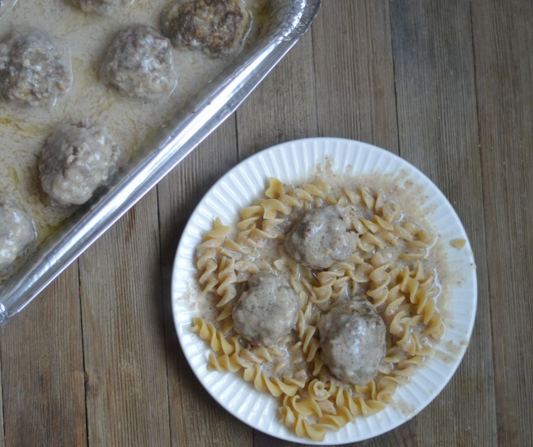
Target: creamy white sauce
x,y
24,129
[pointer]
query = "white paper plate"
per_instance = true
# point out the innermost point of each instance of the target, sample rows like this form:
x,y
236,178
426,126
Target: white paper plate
x,y
290,162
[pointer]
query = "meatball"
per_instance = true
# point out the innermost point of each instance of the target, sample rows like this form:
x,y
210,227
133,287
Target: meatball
x,y
353,341
75,161
17,231
101,7
267,311
216,26
319,239
139,63
33,70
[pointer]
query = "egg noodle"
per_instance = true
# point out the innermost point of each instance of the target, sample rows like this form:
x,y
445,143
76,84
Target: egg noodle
x,y
389,268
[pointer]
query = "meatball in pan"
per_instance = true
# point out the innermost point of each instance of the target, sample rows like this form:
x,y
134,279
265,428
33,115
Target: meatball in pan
x,y
76,160
101,7
214,26
34,69
139,63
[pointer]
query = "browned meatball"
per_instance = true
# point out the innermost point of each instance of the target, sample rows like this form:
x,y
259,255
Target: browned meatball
x,y
33,69
139,63
216,26
267,311
353,341
101,7
319,239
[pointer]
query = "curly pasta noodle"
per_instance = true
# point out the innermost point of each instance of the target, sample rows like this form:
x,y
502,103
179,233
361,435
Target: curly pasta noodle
x,y
301,427
234,356
274,386
388,268
307,321
206,255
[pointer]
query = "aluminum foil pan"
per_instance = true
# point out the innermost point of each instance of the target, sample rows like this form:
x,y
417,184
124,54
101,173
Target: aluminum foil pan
x,y
290,20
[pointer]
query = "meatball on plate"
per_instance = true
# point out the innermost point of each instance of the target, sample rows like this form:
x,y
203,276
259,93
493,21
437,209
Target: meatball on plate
x,y
34,69
267,311
315,291
214,26
320,238
353,341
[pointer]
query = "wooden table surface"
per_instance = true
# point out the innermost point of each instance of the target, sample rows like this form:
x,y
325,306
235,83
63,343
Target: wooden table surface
x,y
446,84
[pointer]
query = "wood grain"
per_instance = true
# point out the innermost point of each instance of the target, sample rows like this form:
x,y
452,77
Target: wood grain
x,y
42,370
266,119
195,417
2,433
503,38
446,84
354,72
437,119
123,333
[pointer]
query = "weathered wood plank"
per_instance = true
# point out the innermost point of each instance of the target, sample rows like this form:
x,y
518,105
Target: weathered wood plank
x,y
503,38
196,419
42,369
283,107
123,333
435,86
354,72
2,433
